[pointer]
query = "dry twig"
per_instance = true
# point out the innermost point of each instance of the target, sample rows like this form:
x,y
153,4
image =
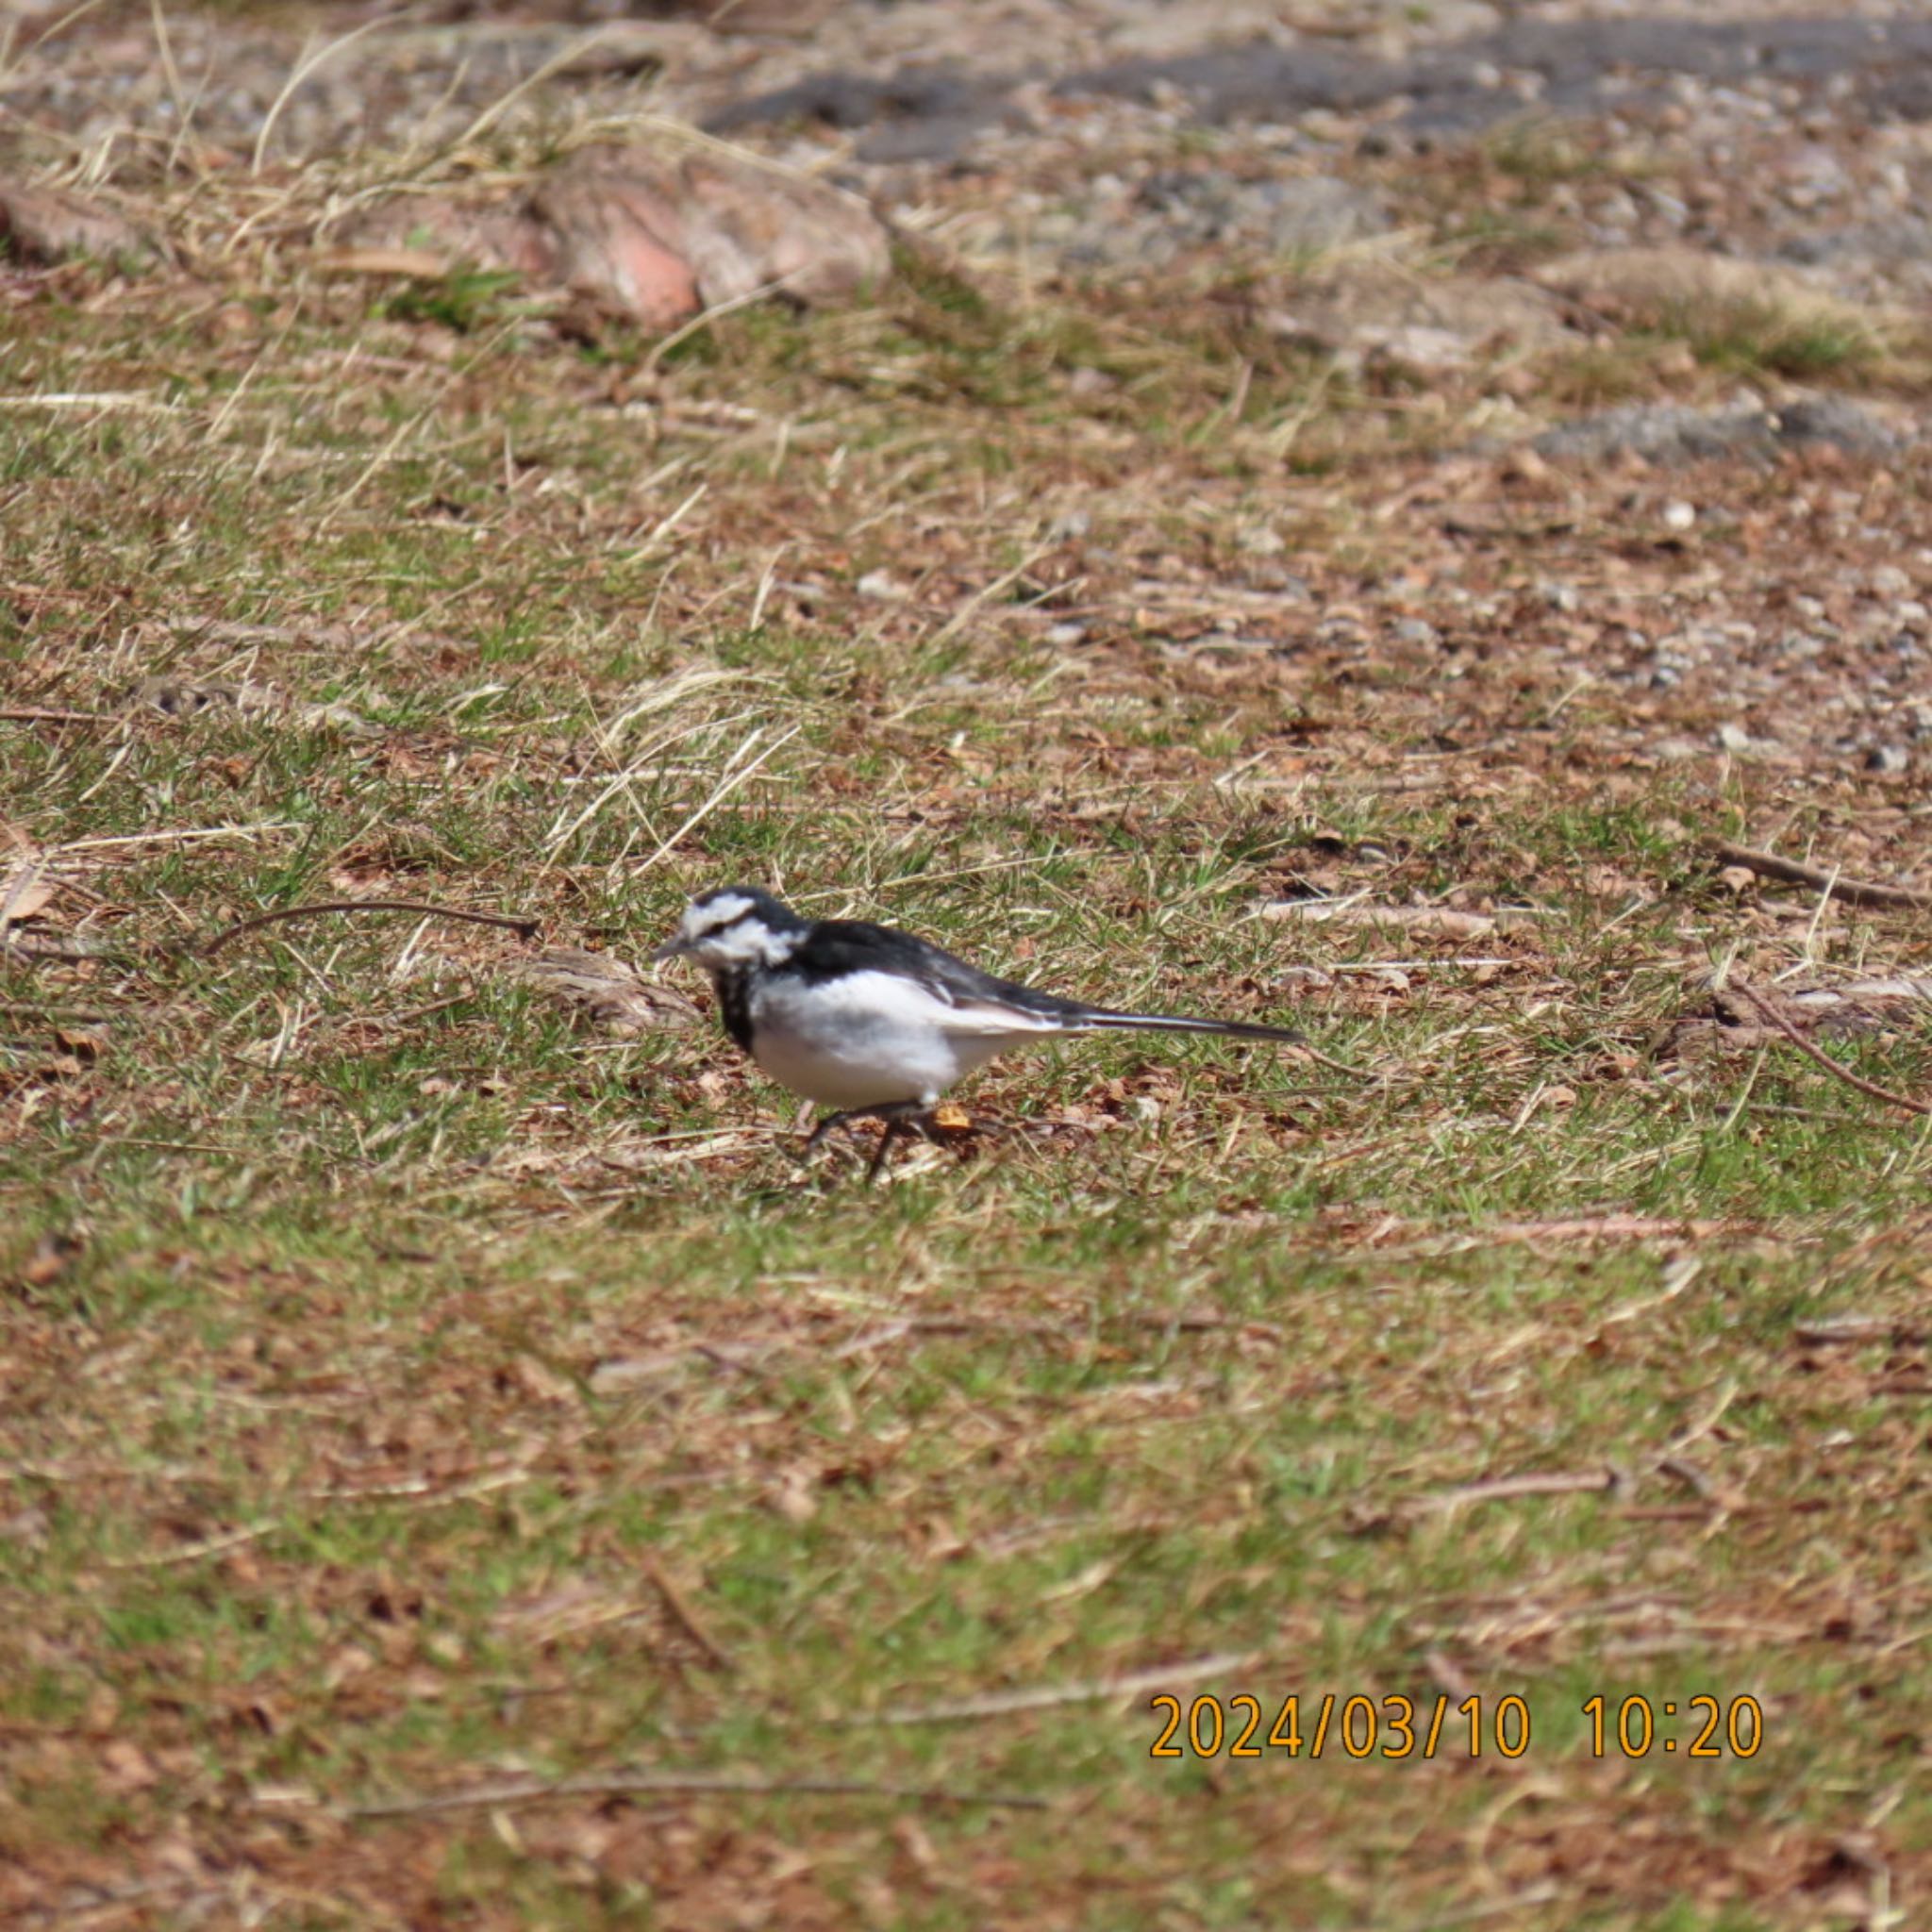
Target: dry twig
x,y
1850,891
1507,1488
1752,996
623,1783
523,924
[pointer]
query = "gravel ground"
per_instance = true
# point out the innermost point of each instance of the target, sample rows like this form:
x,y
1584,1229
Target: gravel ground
x,y
1098,137
1455,205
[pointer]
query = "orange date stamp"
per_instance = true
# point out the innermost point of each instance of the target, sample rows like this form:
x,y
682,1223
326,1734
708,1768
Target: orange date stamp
x,y
1397,1727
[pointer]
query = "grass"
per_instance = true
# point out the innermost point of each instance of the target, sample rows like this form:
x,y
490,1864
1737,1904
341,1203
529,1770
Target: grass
x,y
413,1390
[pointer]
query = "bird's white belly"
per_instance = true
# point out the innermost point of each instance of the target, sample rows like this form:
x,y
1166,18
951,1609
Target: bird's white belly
x,y
866,1041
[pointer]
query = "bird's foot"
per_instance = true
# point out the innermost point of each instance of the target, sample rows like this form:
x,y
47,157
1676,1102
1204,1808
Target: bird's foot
x,y
899,1117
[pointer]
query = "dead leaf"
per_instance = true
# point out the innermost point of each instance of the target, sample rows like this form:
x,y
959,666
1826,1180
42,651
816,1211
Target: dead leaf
x,y
24,894
791,1496
607,990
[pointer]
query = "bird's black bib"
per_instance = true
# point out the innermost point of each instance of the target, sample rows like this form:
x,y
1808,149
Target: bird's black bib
x,y
734,1003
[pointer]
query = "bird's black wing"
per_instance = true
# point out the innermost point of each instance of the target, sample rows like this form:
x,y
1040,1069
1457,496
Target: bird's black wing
x,y
834,947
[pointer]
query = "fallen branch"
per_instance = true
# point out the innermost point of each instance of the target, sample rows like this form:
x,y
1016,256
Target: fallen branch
x,y
623,1784
1507,1488
1851,892
41,714
522,925
1753,998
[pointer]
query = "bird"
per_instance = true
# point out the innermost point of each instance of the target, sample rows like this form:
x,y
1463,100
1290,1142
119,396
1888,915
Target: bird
x,y
873,1023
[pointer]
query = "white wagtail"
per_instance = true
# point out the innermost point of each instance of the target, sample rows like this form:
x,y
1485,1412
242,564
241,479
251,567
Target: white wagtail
x,y
872,1022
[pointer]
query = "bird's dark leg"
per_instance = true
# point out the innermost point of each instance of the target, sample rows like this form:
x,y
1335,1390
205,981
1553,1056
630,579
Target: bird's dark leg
x,y
893,1123
895,1114
815,1139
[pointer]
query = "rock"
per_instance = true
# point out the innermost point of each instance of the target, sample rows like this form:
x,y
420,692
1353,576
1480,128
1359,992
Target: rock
x,y
1296,214
49,224
655,234
613,234
922,113
1905,238
1570,65
1670,434
1834,420
1676,751
1419,347
1363,310
1691,288
750,227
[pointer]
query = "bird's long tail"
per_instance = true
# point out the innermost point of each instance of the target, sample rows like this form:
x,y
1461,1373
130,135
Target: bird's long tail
x,y
1181,1022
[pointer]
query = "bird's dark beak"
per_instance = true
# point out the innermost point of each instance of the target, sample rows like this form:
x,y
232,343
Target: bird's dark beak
x,y
672,948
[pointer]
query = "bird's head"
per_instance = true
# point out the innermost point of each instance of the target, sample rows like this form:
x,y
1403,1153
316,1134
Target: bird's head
x,y
732,926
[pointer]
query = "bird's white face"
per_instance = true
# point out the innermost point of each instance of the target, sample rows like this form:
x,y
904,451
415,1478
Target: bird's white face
x,y
728,928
